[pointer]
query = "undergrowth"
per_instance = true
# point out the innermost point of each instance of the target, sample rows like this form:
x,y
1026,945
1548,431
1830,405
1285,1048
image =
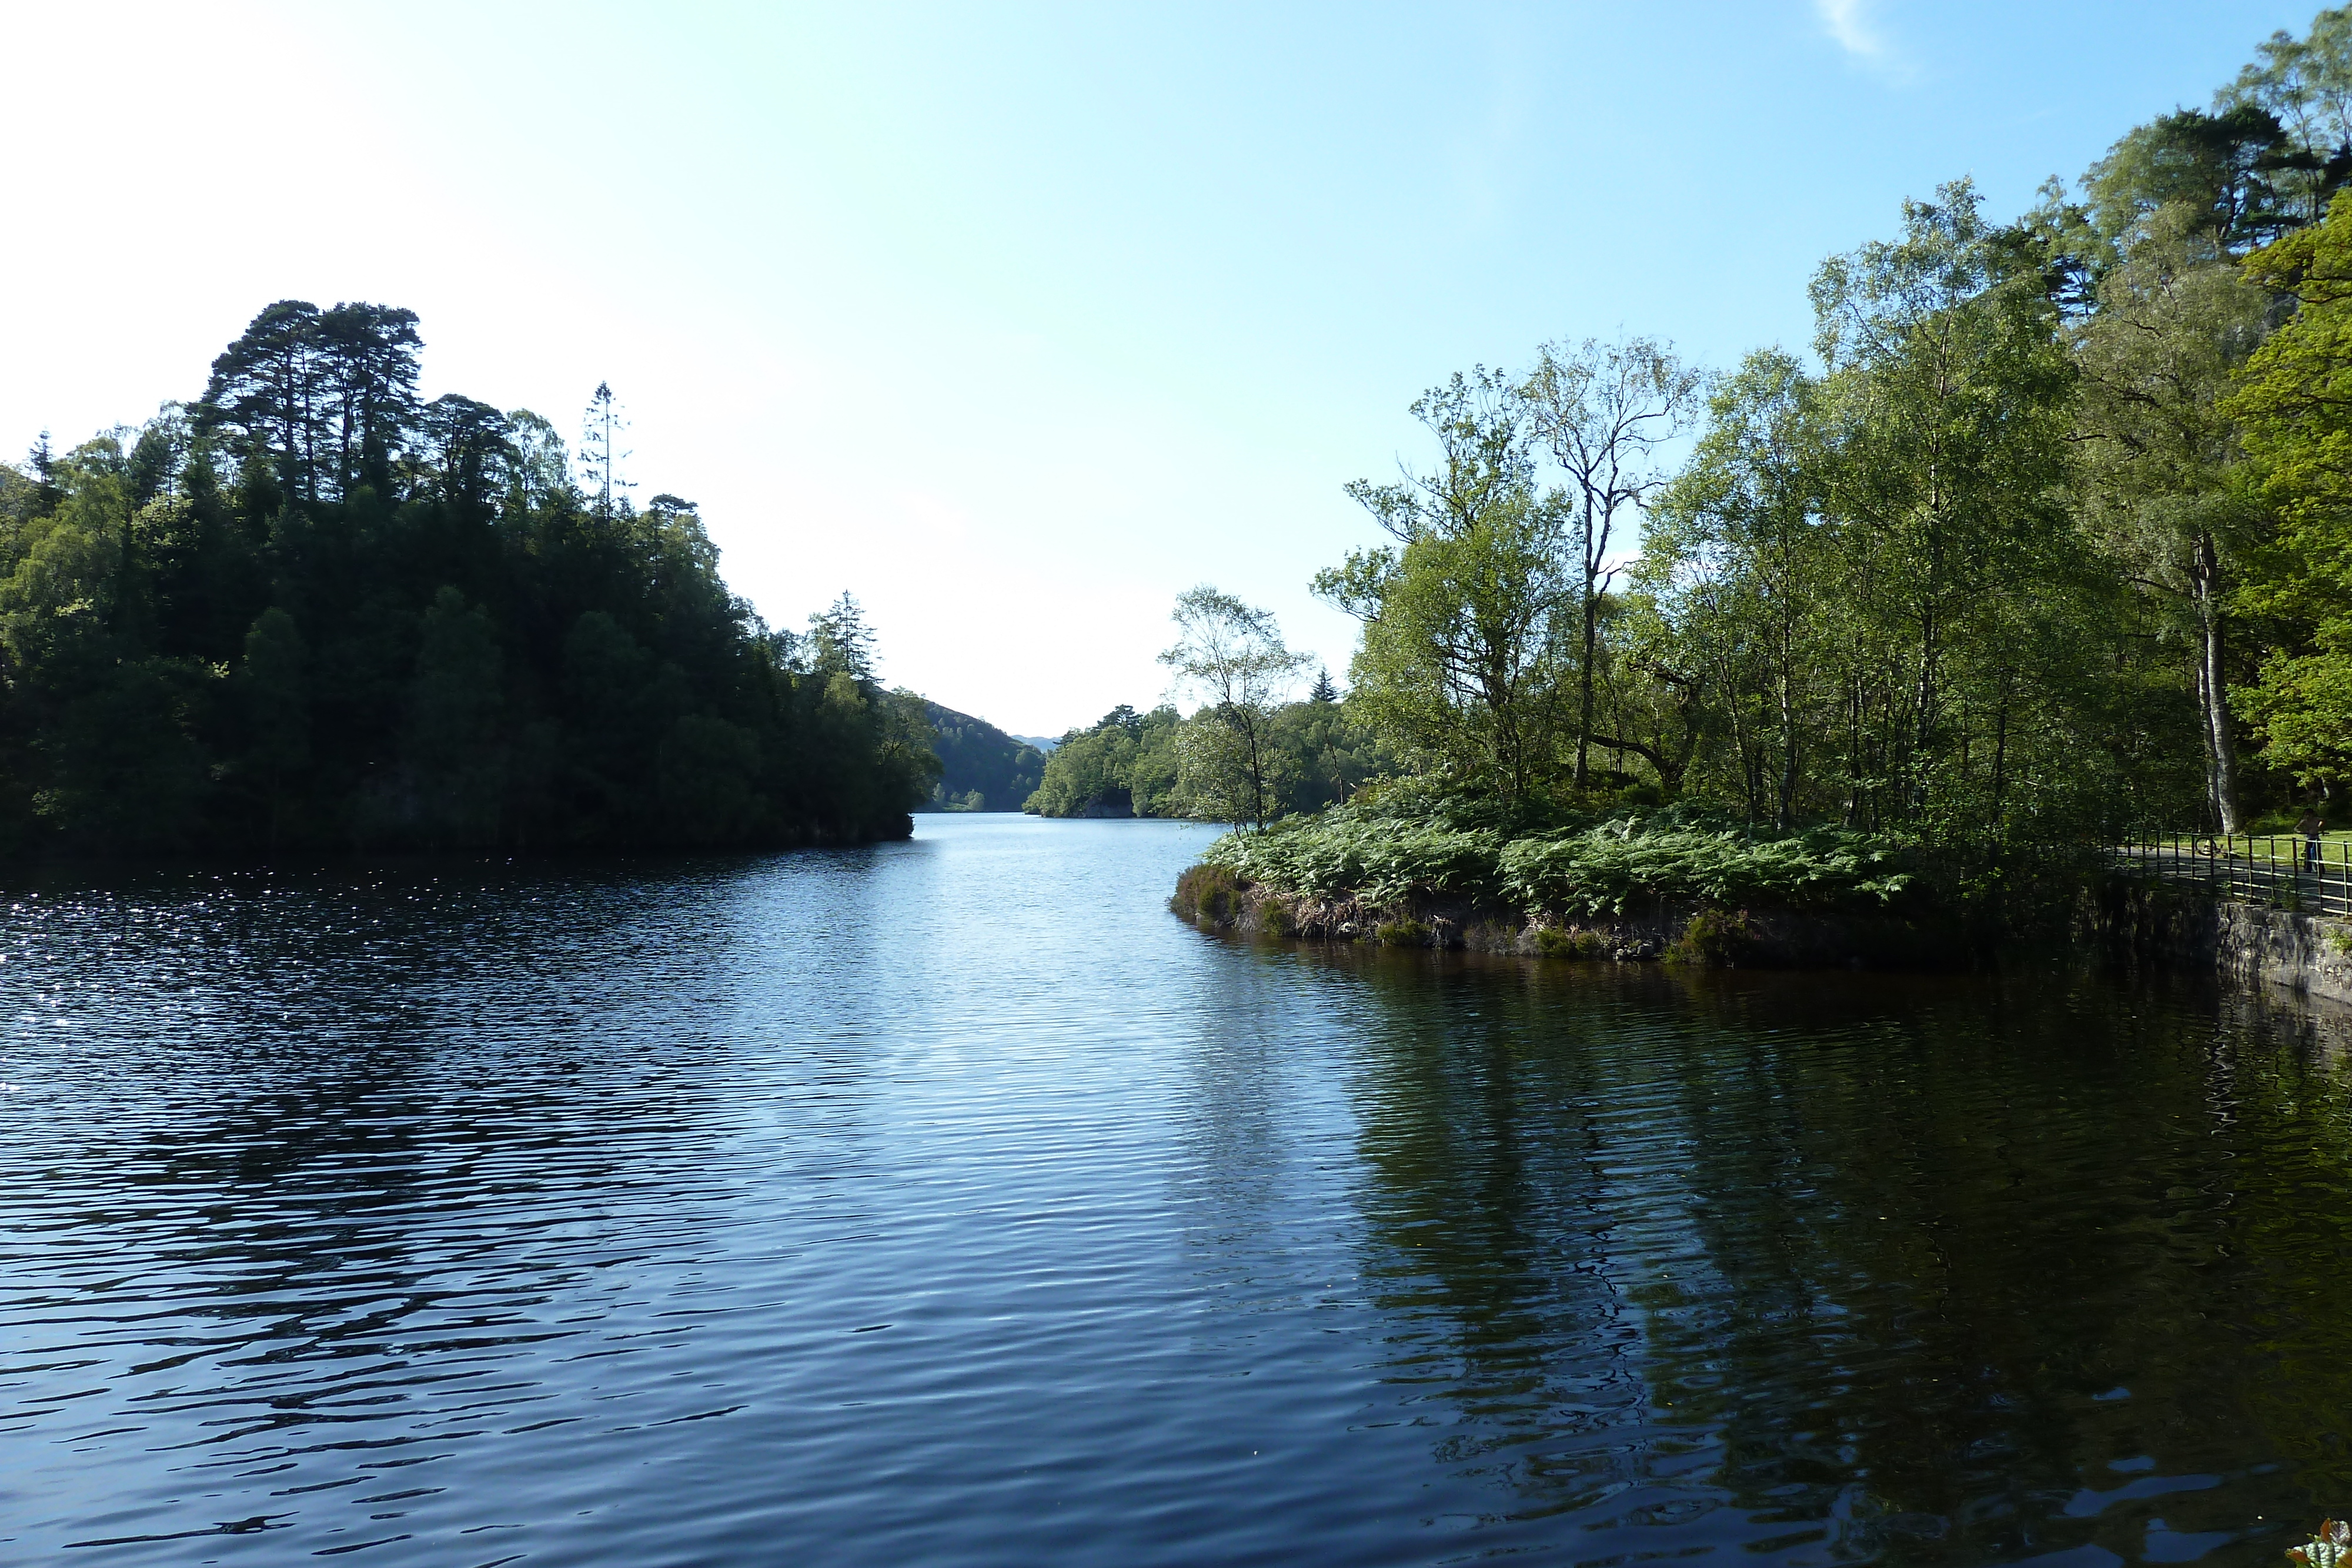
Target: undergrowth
x,y
1595,868
1208,891
1713,939
1553,942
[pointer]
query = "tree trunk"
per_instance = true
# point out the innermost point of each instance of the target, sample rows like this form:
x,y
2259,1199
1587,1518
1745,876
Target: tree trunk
x,y
1922,743
1994,833
2220,735
1584,710
1787,790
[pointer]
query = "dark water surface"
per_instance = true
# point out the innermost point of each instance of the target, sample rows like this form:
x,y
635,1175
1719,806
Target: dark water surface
x,y
949,1203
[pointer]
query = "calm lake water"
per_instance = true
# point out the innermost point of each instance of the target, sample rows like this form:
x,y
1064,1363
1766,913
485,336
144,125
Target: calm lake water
x,y
950,1202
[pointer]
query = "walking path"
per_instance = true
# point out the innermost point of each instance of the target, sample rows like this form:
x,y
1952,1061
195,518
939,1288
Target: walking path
x,y
2269,869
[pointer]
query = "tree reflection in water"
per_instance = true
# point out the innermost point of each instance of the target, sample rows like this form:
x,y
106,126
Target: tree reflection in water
x,y
1849,1267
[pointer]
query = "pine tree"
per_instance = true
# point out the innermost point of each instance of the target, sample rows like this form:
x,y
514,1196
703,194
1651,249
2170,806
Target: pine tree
x,y
44,460
841,640
601,425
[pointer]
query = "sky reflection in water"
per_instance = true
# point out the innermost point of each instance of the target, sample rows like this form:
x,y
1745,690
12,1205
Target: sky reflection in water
x,y
949,1203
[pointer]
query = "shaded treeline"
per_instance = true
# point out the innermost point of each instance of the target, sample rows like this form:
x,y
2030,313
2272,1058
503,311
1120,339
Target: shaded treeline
x,y
982,768
311,610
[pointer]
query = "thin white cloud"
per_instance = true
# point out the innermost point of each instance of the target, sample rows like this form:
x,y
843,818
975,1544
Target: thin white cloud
x,y
1848,22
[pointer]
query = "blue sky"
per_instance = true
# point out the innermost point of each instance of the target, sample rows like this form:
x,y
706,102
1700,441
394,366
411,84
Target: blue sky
x,y
1014,321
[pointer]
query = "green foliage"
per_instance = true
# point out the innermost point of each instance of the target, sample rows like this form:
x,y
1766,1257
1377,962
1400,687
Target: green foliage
x,y
1602,868
455,778
1400,933
2221,168
312,613
1606,868
2056,509
1231,765
2298,434
1229,773
1331,753
1208,892
1124,766
1463,665
1555,942
1960,582
1313,754
982,768
1713,939
2161,479
1604,410
1378,858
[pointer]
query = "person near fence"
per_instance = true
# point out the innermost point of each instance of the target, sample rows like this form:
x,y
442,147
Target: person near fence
x,y
2312,825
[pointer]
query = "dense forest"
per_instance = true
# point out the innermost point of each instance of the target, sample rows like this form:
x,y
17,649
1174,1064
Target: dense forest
x,y
311,610
2048,539
982,768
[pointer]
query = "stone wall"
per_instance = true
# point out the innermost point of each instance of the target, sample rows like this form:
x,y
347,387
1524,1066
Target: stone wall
x,y
2181,929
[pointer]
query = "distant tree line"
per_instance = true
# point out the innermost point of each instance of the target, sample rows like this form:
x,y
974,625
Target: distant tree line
x,y
309,611
1311,754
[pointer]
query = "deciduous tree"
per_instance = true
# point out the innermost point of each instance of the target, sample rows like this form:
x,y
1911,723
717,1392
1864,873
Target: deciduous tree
x,y
1232,656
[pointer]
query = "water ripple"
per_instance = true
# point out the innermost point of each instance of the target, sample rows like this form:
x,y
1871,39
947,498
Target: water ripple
x,y
947,1203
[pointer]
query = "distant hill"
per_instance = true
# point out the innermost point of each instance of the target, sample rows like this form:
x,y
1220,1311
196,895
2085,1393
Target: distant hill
x,y
983,768
1044,742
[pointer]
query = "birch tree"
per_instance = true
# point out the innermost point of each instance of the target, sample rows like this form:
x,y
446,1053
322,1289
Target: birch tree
x,y
1604,410
1231,655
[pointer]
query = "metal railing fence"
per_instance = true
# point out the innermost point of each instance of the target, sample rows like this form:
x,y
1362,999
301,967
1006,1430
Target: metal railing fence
x,y
2274,869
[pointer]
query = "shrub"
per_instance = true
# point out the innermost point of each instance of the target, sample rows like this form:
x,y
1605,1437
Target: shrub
x,y
1206,892
1491,937
1401,934
1555,942
1713,939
